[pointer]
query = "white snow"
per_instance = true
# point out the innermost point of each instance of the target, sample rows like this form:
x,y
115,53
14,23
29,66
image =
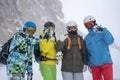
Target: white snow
x,y
34,13
115,54
36,72
41,6
17,28
18,2
60,19
76,10
87,75
9,30
3,72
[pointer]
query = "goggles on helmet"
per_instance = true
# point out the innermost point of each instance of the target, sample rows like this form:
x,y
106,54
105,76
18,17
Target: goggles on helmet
x,y
71,28
89,24
31,30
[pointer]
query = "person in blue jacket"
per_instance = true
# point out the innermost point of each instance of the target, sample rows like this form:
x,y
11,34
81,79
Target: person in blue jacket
x,y
97,43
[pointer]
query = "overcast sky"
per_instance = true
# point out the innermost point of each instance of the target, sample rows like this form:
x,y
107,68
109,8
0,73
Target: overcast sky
x,y
106,12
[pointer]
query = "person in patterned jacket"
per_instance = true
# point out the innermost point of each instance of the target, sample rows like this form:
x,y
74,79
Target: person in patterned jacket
x,y
20,58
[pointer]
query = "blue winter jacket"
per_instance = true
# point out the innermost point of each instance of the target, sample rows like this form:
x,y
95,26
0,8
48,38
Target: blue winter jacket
x,y
97,47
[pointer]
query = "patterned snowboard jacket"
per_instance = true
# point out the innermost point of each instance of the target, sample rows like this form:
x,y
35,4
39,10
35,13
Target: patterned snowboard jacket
x,y
20,58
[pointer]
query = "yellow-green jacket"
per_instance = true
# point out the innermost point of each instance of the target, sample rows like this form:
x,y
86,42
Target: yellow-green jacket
x,y
47,49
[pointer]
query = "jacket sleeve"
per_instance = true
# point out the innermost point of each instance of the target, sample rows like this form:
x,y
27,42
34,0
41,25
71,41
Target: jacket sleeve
x,y
84,52
107,37
30,55
36,50
29,64
59,45
16,40
29,59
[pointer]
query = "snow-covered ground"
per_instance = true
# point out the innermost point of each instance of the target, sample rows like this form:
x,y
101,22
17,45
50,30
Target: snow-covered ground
x,y
37,74
87,75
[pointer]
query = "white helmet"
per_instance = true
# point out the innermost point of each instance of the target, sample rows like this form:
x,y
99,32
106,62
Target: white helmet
x,y
89,18
71,23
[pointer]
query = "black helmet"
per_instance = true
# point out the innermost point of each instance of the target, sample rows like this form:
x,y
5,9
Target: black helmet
x,y
49,24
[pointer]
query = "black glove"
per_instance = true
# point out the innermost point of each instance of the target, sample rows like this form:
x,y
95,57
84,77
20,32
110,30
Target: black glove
x,y
53,34
99,28
46,36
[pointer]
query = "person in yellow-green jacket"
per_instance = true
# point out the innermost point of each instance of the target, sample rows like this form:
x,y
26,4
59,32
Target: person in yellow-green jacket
x,y
45,52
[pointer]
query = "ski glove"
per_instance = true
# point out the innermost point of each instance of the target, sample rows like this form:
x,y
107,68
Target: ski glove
x,y
37,59
59,56
44,34
62,37
99,28
84,68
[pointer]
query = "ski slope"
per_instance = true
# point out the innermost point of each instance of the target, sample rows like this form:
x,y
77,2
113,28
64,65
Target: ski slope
x,y
87,75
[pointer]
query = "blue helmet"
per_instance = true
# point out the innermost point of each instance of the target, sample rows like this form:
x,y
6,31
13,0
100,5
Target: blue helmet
x,y
29,23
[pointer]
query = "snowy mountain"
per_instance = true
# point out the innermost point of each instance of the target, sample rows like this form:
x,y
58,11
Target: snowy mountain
x,y
14,13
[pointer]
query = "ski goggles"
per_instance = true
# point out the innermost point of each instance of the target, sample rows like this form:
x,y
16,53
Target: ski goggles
x,y
71,28
31,29
89,24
